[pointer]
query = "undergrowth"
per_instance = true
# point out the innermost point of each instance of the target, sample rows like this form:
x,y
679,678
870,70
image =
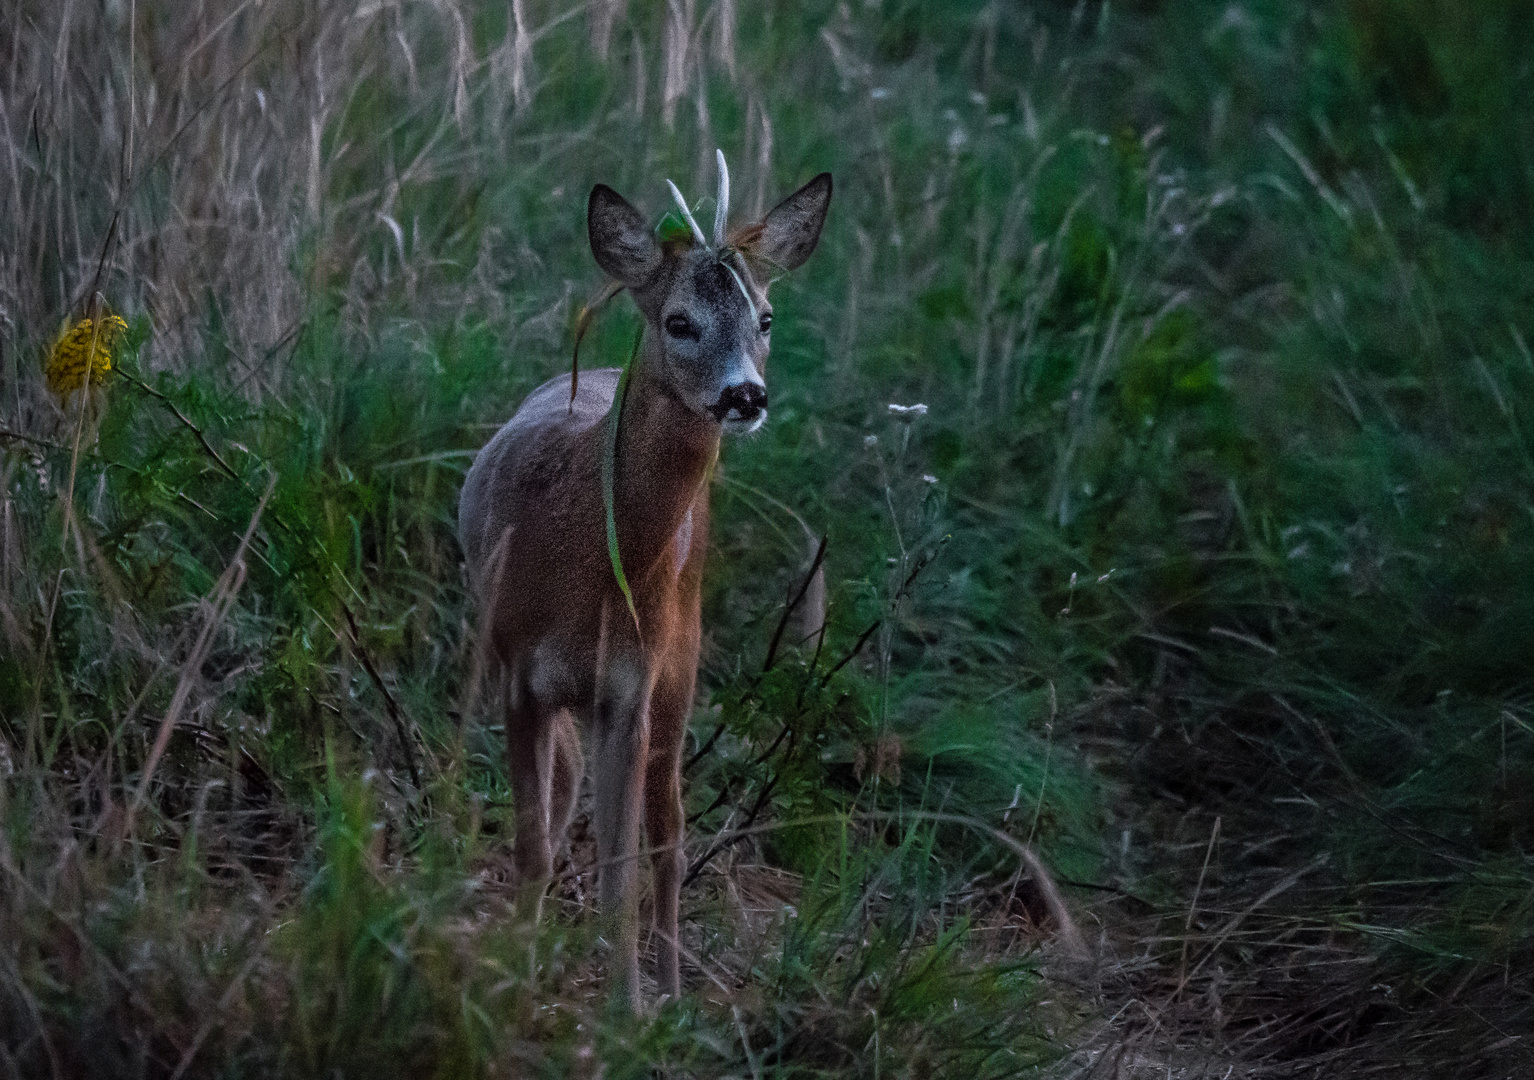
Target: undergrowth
x,y
1201,572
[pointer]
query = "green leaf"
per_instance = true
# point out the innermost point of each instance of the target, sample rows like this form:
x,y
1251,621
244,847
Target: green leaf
x,y
609,471
673,227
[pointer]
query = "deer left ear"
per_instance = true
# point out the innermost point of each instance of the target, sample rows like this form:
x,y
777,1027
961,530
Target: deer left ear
x,y
620,238
791,229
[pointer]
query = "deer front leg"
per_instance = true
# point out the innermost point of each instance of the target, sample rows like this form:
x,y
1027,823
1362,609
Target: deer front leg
x,y
621,737
664,819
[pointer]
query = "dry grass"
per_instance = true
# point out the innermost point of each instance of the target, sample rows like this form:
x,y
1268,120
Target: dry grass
x,y
1130,592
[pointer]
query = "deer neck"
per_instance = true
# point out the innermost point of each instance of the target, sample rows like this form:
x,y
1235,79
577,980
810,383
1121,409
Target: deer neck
x,y
665,452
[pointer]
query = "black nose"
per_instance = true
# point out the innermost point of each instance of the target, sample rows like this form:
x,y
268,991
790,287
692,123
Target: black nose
x,y
745,400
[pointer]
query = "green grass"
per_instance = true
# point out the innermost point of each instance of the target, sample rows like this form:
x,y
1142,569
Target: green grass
x,y
1220,512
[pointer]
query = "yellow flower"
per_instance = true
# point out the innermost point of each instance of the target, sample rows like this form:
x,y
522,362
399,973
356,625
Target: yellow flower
x,y
67,359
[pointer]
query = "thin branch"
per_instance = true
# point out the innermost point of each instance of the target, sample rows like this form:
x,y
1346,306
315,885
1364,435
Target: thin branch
x,y
193,428
853,652
5,433
395,712
804,587
220,601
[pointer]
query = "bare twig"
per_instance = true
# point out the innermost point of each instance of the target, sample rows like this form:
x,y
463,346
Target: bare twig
x,y
219,602
7,434
852,653
395,713
788,610
193,428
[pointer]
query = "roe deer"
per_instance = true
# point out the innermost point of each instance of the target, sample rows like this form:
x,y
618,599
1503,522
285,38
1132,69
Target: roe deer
x,y
563,640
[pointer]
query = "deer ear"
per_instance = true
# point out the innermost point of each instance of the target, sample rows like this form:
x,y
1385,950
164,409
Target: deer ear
x,y
620,237
791,229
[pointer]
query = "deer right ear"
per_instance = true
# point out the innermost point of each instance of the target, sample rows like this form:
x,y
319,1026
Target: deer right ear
x,y
791,229
621,239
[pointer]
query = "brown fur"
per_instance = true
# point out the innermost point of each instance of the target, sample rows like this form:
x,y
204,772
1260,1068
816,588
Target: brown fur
x,y
560,632
557,631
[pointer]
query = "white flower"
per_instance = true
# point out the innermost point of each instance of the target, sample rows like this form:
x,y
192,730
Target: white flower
x,y
907,413
870,441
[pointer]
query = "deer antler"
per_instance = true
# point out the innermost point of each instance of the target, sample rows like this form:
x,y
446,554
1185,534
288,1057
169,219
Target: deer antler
x,y
722,209
721,218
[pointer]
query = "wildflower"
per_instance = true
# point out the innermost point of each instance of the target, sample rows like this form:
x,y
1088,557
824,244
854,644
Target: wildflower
x,y
907,413
67,361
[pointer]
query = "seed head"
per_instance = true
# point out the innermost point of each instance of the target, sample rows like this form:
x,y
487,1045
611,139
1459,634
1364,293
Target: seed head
x,y
71,354
907,413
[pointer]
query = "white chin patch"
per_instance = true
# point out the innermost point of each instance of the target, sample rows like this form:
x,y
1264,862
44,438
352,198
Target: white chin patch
x,y
733,423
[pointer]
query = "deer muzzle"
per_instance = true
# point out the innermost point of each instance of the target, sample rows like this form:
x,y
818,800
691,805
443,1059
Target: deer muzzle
x,y
741,407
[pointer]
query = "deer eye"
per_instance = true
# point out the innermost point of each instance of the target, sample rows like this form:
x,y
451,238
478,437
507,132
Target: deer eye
x,y
679,325
766,322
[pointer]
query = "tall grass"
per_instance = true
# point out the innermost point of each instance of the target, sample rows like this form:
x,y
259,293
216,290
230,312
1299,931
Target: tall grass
x,y
1218,513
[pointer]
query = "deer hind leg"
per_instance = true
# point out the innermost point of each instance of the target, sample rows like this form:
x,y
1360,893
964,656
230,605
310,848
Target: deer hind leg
x,y
529,759
565,784
620,731
664,820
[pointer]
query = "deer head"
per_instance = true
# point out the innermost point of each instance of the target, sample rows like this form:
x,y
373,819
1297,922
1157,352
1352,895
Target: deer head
x,y
706,302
